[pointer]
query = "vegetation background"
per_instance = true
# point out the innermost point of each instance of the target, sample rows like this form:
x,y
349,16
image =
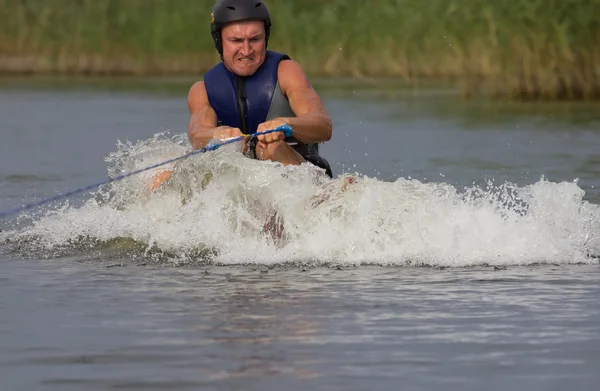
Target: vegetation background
x,y
528,48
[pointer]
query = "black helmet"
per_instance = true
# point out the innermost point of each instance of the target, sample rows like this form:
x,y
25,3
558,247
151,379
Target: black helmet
x,y
226,11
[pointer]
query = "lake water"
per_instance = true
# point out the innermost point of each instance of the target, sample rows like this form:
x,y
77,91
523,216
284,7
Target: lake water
x,y
463,257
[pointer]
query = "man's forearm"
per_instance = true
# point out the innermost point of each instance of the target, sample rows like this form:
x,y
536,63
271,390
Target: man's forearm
x,y
200,135
311,128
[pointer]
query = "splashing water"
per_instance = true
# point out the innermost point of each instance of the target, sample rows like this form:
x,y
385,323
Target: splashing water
x,y
216,205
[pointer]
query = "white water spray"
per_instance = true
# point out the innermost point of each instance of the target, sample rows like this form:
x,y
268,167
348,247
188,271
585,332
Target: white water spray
x,y
216,204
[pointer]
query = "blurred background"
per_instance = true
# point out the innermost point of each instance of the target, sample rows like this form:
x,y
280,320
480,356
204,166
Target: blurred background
x,y
537,48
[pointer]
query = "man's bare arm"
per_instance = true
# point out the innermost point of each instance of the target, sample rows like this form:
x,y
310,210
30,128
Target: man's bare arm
x,y
312,123
203,119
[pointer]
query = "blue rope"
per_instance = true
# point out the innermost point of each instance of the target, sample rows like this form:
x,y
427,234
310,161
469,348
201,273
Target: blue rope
x,y
286,129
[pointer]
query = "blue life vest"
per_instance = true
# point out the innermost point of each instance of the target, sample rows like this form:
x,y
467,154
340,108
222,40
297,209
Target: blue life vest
x,y
222,89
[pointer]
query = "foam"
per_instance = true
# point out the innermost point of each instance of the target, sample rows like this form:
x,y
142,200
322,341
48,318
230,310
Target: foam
x,y
216,204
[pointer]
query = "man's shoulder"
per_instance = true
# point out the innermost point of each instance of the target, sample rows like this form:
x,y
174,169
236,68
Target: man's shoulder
x,y
289,65
291,74
197,88
197,93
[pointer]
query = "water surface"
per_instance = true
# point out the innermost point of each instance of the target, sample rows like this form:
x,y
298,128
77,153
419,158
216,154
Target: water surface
x,y
463,257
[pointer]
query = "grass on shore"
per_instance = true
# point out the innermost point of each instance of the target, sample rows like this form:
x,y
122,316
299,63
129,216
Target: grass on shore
x,y
528,48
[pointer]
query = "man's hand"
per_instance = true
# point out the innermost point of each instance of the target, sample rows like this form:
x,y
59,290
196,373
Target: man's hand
x,y
265,139
223,132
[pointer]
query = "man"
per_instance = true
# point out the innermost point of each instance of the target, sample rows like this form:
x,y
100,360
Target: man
x,y
254,89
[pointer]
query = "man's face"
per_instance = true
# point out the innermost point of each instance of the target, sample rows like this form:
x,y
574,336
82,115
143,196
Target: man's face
x,y
244,46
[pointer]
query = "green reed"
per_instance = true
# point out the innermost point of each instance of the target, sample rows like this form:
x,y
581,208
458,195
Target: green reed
x,y
527,48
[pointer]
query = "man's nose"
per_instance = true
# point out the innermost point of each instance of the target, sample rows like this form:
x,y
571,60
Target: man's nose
x,y
245,47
